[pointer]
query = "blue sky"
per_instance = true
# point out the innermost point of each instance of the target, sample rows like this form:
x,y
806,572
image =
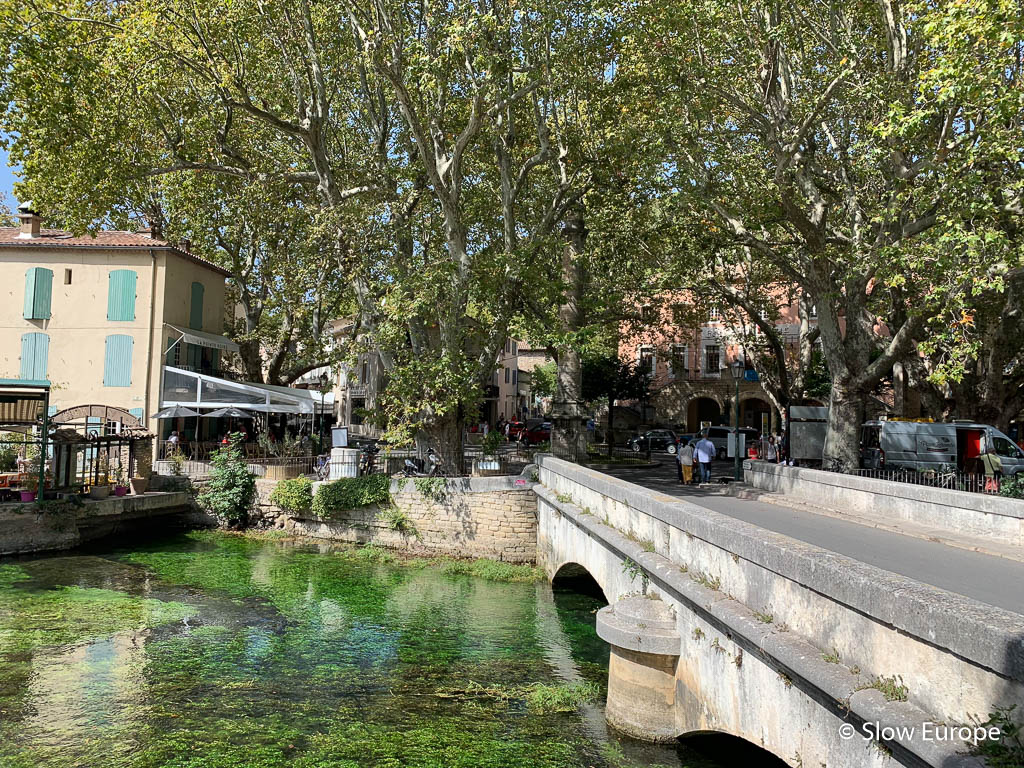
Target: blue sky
x,y
7,180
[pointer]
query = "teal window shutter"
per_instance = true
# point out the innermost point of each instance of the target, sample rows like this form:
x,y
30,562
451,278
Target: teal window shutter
x,y
137,413
35,349
51,410
117,362
195,318
38,290
94,425
121,294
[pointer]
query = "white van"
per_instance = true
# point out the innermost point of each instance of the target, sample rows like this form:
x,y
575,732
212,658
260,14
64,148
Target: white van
x,y
938,446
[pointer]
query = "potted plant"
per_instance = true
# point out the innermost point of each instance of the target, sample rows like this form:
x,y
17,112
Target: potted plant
x,y
120,481
98,492
488,463
29,488
138,485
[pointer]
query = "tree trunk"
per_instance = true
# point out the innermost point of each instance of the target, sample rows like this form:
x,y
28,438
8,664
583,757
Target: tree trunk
x,y
845,417
444,435
568,436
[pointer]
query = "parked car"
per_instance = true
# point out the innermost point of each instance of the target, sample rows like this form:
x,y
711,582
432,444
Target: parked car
x,y
539,434
936,446
720,437
515,428
654,440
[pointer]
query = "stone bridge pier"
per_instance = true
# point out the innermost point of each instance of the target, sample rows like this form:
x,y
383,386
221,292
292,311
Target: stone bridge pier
x,y
718,626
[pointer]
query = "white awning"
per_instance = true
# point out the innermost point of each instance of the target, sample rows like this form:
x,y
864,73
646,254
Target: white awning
x,y
202,339
198,390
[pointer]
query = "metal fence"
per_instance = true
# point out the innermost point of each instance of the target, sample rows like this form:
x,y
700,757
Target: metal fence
x,y
952,480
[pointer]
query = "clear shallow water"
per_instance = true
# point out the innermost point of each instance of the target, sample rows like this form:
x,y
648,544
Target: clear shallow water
x,y
214,651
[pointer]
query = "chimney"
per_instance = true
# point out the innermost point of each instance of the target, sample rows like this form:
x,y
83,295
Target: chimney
x,y
31,222
186,246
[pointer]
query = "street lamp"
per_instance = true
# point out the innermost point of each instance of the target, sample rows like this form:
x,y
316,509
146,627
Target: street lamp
x,y
737,374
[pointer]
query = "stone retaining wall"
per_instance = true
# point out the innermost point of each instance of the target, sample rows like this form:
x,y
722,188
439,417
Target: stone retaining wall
x,y
996,518
28,528
492,517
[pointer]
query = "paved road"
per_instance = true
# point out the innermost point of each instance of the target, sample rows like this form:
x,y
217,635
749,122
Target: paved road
x,y
993,580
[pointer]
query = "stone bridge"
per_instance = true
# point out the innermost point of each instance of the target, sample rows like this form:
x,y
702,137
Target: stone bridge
x,y
718,626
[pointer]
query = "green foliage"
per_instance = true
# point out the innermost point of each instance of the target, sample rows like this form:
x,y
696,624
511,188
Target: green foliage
x,y
351,493
1013,487
294,496
8,458
491,570
1008,750
492,441
434,488
397,520
543,379
177,460
231,491
891,687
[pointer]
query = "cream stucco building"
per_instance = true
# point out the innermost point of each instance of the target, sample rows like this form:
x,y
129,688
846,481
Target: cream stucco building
x,y
96,316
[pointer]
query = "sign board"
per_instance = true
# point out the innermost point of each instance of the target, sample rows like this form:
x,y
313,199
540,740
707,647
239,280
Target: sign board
x,y
766,423
339,437
731,447
751,375
704,425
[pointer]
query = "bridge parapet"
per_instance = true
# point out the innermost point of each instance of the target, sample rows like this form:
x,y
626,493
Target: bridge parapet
x,y
783,642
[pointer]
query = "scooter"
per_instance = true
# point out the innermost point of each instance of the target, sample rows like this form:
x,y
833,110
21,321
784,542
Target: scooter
x,y
415,467
368,460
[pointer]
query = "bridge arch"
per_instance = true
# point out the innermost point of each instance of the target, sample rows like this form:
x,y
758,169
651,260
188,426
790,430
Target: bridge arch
x,y
729,748
575,577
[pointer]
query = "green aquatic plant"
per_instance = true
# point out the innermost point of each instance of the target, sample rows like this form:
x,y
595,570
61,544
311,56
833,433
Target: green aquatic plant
x,y
491,570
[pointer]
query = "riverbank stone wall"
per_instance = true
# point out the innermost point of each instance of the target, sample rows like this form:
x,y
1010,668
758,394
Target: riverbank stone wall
x,y
492,517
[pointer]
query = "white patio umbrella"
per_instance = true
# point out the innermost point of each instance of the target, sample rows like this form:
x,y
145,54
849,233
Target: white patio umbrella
x,y
175,412
233,413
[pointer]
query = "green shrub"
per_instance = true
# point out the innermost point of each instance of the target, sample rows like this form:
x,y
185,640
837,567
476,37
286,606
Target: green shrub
x,y
294,496
1012,487
397,520
492,441
231,491
350,493
1008,750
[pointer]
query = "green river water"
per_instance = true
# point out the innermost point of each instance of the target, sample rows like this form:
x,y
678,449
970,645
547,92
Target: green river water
x,y
207,650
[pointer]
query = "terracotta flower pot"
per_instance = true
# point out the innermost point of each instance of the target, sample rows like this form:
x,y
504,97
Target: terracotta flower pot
x,y
138,485
28,495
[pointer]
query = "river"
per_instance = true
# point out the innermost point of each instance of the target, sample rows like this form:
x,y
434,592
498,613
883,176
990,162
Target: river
x,y
208,650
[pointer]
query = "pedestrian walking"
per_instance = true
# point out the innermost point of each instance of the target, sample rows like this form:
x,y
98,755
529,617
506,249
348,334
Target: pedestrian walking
x,y
993,466
704,452
684,458
771,451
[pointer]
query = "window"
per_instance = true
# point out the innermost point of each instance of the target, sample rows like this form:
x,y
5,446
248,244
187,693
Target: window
x,y
712,360
67,277
364,373
117,360
508,346
173,357
507,375
515,375
35,351
195,317
121,295
38,289
680,360
647,313
358,410
647,360
1004,447
713,315
515,347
